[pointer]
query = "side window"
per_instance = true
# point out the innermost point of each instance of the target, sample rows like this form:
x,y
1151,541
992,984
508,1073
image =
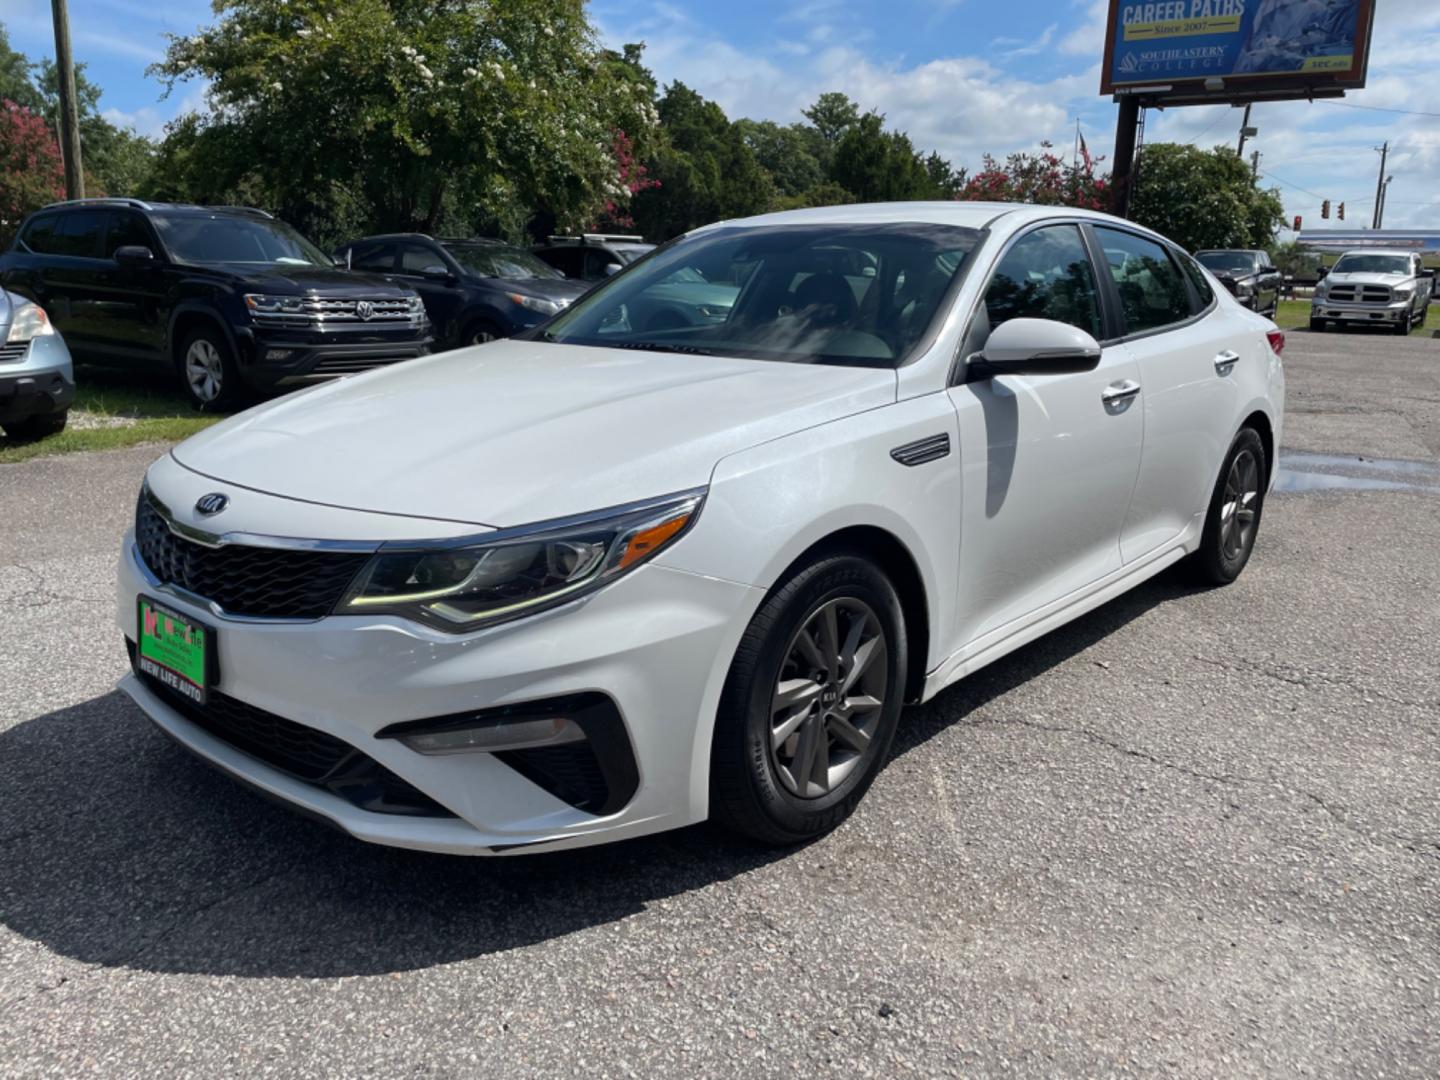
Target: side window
x,y
78,233
1197,278
596,259
376,258
124,230
419,259
39,234
1046,274
564,259
1152,292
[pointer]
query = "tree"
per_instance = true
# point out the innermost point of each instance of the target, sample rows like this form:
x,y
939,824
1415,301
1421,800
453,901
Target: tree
x,y
1204,198
881,166
418,111
30,170
833,114
117,161
1044,179
793,155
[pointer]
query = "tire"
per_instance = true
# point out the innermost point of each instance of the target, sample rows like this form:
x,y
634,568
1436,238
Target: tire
x,y
39,426
208,370
481,332
1317,325
1224,552
761,787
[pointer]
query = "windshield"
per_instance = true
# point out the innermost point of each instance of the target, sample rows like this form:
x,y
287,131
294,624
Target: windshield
x,y
499,261
230,238
858,295
1227,260
630,252
1373,264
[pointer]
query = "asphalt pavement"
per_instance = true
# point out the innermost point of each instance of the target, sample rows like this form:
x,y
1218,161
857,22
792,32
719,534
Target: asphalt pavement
x,y
1196,832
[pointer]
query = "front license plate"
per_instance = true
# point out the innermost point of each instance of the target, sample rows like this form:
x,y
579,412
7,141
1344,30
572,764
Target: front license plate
x,y
174,649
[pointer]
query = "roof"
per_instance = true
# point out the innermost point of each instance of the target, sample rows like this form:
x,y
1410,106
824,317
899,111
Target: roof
x,y
140,204
1396,252
971,215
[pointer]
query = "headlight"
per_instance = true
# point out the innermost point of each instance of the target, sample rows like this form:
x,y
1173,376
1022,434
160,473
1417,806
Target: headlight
x,y
521,571
417,307
536,303
1404,292
1243,289
30,322
1321,290
260,304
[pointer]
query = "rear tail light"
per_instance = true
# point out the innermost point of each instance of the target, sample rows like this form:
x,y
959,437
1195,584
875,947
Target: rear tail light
x,y
1277,341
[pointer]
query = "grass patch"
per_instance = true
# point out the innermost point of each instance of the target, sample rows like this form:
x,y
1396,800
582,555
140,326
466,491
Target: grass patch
x,y
1295,315
114,409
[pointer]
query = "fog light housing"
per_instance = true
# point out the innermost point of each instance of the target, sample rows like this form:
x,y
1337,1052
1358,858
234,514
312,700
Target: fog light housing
x,y
277,354
496,735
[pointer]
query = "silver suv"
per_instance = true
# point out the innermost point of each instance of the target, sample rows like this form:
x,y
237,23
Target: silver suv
x,y
37,382
1385,288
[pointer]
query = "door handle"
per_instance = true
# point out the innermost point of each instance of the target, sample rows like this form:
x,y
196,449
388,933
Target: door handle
x,y
1225,361
1117,393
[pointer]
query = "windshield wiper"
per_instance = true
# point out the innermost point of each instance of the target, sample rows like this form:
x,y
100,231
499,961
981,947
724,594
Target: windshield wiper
x,y
657,346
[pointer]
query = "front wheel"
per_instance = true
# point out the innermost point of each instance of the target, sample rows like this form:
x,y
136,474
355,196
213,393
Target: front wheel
x,y
1233,520
208,368
811,702
39,426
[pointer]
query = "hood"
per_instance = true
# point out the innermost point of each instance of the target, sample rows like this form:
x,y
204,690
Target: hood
x,y
1235,275
1391,280
545,288
325,280
515,432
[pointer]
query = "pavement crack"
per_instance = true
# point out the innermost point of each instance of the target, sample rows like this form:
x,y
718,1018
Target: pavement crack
x,y
36,594
1309,680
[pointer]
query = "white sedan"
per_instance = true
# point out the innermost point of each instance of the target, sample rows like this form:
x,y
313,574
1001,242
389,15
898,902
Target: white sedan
x,y
610,578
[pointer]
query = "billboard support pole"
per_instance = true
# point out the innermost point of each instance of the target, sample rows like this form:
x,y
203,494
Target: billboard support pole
x,y
1127,126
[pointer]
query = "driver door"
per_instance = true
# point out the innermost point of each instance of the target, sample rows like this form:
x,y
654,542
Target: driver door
x,y
1049,461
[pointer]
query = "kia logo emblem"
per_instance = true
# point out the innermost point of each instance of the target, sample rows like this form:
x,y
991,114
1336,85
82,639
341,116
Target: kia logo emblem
x,y
364,309
212,504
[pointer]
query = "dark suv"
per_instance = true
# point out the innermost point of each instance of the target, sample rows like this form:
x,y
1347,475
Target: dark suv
x,y
228,297
475,290
1249,275
593,256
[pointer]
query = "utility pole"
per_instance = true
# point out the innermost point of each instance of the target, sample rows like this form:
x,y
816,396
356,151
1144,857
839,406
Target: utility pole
x,y
1255,165
1380,184
1127,127
1384,195
69,114
1244,133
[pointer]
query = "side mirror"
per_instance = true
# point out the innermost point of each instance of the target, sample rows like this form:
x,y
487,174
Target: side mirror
x,y
1324,271
1035,347
134,255
611,269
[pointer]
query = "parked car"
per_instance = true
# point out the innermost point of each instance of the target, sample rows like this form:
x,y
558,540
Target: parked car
x,y
594,256
228,297
1249,275
621,580
474,290
37,383
1385,288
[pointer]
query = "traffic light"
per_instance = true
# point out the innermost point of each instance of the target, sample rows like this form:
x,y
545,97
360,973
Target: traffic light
x,y
1298,221
1325,210
1341,212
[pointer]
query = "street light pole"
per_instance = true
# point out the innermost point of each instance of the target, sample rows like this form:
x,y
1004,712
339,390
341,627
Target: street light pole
x,y
69,112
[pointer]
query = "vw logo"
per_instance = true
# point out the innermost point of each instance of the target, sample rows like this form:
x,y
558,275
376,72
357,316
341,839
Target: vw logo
x,y
364,309
212,504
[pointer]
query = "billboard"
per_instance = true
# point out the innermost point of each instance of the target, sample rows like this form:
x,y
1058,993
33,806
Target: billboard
x,y
1260,48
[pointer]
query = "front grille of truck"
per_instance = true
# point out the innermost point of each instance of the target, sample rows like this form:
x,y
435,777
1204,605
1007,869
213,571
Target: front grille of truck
x,y
1363,294
260,582
343,364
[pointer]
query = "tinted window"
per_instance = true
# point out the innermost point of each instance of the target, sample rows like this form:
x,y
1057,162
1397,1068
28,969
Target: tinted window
x,y
856,295
1046,274
501,261
420,259
595,262
1235,262
377,258
126,229
39,234
1152,290
78,233
234,238
1373,264
566,260
1197,278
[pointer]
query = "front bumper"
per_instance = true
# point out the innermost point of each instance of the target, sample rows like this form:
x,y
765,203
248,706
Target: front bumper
x,y
1392,313
656,643
285,356
42,381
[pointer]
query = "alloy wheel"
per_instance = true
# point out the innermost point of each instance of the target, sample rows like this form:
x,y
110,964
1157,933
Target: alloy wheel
x,y
481,337
204,370
829,697
1237,512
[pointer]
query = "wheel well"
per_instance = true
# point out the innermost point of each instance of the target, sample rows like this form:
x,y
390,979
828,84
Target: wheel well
x,y
186,323
892,556
1261,423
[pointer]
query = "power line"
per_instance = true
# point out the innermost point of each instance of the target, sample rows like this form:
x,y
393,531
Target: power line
x,y
1286,183
1378,108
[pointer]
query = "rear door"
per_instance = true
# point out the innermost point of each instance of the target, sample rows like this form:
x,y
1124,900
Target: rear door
x,y
1049,460
72,278
1187,347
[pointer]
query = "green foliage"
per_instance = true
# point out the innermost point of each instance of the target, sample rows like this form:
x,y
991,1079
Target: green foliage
x,y
795,156
876,165
1204,199
117,161
1292,260
832,115
30,169
16,83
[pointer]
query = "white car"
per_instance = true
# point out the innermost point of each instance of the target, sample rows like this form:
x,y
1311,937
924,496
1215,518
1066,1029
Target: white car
x,y
607,580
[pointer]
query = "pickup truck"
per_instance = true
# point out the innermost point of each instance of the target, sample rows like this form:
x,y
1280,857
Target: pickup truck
x,y
1249,275
1382,288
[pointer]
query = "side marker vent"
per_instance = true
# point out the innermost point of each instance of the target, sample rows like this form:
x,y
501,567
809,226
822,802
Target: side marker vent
x,y
931,448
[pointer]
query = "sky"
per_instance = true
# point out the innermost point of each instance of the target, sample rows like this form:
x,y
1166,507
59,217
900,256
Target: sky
x,y
964,77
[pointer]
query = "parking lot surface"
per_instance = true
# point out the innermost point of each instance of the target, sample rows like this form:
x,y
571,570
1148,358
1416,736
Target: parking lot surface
x,y
1196,832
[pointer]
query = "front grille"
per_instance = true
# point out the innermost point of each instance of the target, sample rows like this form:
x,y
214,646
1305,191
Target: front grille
x,y
1364,294
259,582
299,751
315,309
349,365
13,351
